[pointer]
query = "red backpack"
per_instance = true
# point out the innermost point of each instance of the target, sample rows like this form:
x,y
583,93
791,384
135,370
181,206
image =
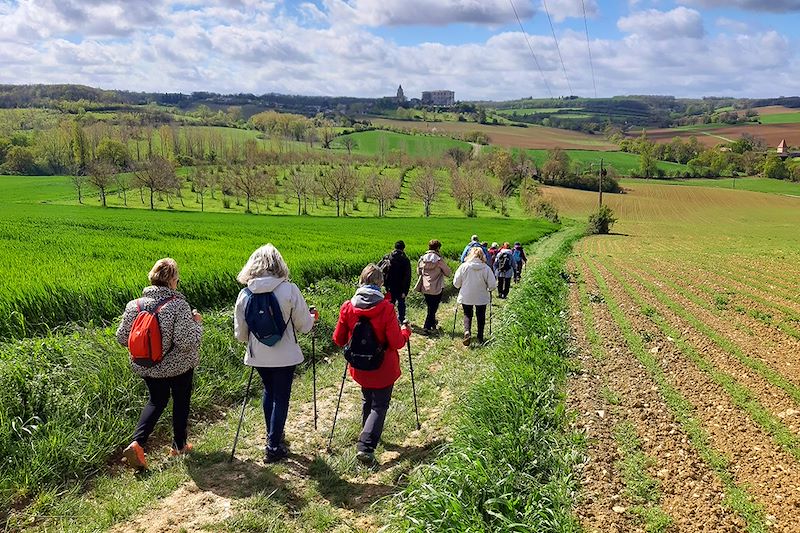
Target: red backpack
x,y
144,340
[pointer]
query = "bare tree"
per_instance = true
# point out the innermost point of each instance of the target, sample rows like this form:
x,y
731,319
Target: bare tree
x,y
249,181
157,175
123,181
458,155
79,182
201,182
327,135
426,189
383,189
349,143
301,186
467,187
339,184
101,175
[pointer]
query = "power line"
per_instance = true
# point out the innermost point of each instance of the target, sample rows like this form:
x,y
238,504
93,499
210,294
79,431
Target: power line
x,y
547,85
558,49
588,47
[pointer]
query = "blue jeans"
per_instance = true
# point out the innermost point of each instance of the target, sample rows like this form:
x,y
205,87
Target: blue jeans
x,y
277,389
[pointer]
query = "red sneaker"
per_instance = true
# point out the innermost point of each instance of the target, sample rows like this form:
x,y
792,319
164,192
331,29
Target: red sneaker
x,y
134,455
183,451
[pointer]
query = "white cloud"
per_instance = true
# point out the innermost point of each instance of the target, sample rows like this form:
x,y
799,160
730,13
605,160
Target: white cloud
x,y
233,46
564,9
731,25
773,6
425,12
655,24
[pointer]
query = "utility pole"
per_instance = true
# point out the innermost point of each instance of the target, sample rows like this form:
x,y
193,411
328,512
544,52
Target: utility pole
x,y
600,188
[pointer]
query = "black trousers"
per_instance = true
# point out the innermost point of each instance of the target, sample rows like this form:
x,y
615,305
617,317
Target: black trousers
x,y
480,310
374,404
503,286
432,301
180,387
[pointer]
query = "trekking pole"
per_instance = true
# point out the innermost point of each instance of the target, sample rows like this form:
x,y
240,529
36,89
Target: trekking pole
x,y
490,313
335,414
455,318
314,369
241,416
314,375
413,384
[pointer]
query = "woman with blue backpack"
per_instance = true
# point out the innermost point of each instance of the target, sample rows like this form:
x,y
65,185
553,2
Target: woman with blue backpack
x,y
369,331
269,314
504,268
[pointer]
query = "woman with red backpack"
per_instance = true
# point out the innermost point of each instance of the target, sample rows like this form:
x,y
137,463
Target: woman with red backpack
x,y
369,315
163,335
269,313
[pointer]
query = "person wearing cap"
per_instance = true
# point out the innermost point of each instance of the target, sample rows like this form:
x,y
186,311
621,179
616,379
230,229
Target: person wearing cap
x,y
473,242
519,261
397,278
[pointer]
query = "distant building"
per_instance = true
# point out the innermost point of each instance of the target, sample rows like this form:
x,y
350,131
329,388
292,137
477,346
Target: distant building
x,y
400,96
783,151
439,98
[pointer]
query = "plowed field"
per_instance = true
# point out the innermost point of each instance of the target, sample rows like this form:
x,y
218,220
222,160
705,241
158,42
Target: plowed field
x,y
687,328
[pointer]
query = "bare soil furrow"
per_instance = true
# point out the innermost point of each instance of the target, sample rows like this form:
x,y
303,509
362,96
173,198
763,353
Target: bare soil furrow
x,y
691,493
770,473
764,344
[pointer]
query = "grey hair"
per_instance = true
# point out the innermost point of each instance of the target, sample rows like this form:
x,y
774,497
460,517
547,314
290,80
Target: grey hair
x,y
371,275
266,261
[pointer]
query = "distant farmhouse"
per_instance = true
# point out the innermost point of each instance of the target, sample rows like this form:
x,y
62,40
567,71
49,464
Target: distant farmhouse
x,y
439,98
783,151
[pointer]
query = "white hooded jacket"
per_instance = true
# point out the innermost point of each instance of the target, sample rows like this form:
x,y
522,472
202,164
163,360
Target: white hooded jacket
x,y
295,312
475,279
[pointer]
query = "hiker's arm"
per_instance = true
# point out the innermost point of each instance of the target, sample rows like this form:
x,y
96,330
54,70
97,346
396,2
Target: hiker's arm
x,y
301,314
491,280
341,333
457,278
187,333
240,329
395,336
445,268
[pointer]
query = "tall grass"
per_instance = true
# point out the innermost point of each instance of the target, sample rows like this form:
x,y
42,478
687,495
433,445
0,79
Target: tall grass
x,y
510,465
67,264
69,401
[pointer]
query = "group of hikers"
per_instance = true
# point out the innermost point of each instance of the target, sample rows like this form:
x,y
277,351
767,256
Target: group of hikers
x,y
163,333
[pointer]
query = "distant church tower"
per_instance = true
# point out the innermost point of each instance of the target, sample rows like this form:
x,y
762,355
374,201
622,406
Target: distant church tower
x,y
400,96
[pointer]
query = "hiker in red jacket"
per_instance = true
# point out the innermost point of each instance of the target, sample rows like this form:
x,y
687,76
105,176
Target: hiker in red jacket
x,y
376,385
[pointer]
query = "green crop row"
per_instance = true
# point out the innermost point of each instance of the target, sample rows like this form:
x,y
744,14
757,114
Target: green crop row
x,y
77,264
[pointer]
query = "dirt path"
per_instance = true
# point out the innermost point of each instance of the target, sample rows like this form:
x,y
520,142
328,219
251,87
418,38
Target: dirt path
x,y
318,490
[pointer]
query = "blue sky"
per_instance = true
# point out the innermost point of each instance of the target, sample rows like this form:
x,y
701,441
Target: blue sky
x,y
366,47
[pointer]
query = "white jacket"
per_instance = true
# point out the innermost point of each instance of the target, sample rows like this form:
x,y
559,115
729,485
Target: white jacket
x,y
475,279
295,312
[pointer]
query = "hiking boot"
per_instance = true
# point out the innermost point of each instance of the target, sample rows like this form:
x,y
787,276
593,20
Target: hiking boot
x,y
273,455
174,452
366,458
467,338
134,455
427,331
480,341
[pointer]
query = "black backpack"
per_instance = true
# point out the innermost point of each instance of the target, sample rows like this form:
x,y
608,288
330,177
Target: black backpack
x,y
263,316
364,352
504,262
385,264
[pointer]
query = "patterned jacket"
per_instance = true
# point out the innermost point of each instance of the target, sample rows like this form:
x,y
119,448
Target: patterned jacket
x,y
180,334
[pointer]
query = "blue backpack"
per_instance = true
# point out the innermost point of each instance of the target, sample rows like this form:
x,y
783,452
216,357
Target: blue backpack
x,y
517,255
264,318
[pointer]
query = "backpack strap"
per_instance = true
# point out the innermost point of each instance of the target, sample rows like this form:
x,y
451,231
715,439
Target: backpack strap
x,y
160,305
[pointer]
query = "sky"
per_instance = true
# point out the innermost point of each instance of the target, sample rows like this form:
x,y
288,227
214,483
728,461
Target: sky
x,y
686,48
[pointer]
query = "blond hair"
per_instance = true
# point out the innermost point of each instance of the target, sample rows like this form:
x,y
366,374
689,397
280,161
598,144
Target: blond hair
x,y
476,252
164,271
265,261
371,275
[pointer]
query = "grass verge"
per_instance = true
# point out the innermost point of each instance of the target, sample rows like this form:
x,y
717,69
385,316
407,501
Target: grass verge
x,y
510,464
